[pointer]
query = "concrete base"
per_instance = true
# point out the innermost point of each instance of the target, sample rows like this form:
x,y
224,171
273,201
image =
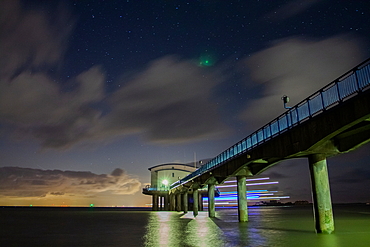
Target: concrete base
x,y
323,211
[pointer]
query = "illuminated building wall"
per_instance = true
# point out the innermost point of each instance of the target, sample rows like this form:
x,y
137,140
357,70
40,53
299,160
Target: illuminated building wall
x,y
165,174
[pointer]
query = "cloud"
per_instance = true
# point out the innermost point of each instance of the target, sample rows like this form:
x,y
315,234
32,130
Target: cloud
x,y
290,9
34,106
297,67
356,175
31,39
27,182
166,102
275,175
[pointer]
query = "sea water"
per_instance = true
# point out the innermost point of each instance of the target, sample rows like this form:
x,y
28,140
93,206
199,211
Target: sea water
x,y
267,226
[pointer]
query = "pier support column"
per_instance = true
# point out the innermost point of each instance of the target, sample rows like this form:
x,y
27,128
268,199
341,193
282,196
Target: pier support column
x,y
242,199
195,201
200,206
172,202
166,202
155,202
178,202
323,211
211,201
185,201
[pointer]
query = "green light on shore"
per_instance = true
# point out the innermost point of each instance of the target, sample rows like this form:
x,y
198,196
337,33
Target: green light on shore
x,y
91,205
31,205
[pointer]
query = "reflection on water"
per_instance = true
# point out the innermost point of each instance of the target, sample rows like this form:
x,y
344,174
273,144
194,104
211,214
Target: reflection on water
x,y
176,229
267,226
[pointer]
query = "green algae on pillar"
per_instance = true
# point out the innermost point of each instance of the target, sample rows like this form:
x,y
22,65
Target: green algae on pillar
x,y
185,201
323,211
242,199
178,202
172,202
195,201
211,201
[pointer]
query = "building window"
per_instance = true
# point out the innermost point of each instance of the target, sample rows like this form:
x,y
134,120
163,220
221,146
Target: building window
x,y
173,174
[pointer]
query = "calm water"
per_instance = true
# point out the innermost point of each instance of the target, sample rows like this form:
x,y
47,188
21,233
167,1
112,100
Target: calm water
x,y
267,226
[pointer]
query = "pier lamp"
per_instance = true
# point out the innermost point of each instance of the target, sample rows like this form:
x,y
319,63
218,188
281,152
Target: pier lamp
x,y
285,101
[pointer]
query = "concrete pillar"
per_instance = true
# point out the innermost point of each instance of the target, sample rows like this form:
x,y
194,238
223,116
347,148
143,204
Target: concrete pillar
x,y
155,202
166,203
200,202
178,202
211,201
195,203
242,199
172,202
185,202
323,212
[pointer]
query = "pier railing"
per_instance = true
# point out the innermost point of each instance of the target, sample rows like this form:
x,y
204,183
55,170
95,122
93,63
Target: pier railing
x,y
354,82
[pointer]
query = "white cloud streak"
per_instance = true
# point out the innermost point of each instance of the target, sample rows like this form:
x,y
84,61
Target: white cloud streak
x,y
297,67
27,182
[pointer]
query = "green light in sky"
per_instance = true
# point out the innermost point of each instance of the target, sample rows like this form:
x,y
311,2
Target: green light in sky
x,y
206,60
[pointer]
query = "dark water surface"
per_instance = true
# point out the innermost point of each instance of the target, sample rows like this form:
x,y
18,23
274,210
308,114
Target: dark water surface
x,y
267,226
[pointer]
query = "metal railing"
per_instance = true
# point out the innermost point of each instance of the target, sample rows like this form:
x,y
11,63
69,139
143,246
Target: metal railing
x,y
353,82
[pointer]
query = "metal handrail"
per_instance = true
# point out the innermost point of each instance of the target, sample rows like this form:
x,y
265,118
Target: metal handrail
x,y
354,82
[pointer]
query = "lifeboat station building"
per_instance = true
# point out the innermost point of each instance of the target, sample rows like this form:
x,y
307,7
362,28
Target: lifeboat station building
x,y
162,176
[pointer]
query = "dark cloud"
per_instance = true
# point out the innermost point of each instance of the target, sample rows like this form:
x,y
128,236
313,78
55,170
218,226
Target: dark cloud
x,y
27,182
357,175
167,102
34,106
275,175
297,67
31,39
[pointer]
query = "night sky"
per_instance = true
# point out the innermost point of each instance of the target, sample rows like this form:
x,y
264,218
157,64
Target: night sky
x,y
93,93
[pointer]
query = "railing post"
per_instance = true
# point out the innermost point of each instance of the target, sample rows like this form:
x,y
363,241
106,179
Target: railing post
x,y
322,100
356,78
309,108
336,85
